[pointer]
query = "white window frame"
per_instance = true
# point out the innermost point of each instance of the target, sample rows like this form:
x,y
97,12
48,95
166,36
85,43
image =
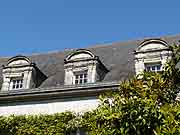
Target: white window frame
x,y
81,77
153,67
16,83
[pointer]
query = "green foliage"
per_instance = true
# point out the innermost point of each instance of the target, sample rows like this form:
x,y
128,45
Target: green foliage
x,y
133,110
36,125
144,104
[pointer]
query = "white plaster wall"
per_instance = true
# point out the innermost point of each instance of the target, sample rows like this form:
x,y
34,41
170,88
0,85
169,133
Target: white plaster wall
x,y
50,107
27,79
6,84
68,80
165,58
139,66
92,74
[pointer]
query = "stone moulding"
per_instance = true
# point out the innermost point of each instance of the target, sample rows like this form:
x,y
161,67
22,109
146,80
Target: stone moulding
x,y
62,92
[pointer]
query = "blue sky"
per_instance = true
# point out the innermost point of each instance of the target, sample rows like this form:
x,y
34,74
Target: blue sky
x,y
40,26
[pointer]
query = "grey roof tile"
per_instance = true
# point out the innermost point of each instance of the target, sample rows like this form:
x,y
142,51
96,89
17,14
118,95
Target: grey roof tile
x,y
117,57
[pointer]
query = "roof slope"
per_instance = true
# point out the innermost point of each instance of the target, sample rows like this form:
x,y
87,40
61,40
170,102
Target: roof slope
x,y
117,57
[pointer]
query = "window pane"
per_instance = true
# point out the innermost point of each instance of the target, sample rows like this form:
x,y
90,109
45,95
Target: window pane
x,y
85,80
76,81
153,68
14,81
148,69
21,81
158,67
77,76
17,86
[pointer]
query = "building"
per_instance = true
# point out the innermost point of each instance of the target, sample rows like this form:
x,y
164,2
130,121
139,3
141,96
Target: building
x,y
72,80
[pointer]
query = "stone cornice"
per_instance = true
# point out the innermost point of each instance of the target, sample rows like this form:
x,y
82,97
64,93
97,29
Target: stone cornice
x,y
70,91
156,50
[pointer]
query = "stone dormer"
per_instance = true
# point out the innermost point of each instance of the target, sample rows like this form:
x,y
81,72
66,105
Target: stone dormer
x,y
151,55
21,73
82,66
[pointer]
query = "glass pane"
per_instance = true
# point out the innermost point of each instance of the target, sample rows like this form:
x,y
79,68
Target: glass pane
x,y
158,67
77,76
76,81
85,80
14,81
148,69
80,82
82,133
17,86
81,75
153,68
21,81
85,75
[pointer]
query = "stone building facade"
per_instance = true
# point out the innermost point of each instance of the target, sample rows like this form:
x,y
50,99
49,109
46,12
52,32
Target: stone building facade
x,y
72,80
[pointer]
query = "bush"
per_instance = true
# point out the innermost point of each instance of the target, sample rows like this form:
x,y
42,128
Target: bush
x,y
36,125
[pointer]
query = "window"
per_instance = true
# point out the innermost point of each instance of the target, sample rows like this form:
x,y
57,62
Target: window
x,y
153,67
79,132
17,83
81,78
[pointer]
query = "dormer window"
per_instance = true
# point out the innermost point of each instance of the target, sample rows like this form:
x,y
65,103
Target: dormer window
x,y
21,73
82,66
151,55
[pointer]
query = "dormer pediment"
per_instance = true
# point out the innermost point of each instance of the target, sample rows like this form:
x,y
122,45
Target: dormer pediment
x,y
81,54
18,61
152,45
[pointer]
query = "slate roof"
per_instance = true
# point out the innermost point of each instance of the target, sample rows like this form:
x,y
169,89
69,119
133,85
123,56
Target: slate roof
x,y
117,57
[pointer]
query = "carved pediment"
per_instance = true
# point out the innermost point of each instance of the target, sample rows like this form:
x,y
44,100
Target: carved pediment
x,y
80,54
18,61
152,45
